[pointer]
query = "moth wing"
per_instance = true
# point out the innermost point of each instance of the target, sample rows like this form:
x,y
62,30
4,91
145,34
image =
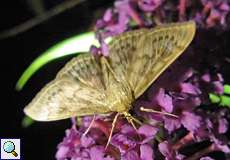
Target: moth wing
x,y
156,51
85,69
122,49
141,56
76,91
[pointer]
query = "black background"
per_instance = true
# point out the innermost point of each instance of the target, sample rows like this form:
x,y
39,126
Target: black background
x,y
39,141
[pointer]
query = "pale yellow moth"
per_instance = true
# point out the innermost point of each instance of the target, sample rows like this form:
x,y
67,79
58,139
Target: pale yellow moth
x,y
90,85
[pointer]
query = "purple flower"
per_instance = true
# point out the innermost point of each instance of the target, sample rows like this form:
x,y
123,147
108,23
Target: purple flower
x,y
167,151
66,148
124,143
149,5
98,153
104,49
171,124
218,87
206,77
94,50
216,12
190,121
206,158
147,130
219,145
108,15
87,141
164,100
77,146
62,152
132,155
146,152
123,9
213,83
223,125
189,88
127,140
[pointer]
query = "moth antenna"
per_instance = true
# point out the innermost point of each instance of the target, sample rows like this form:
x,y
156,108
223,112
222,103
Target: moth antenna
x,y
90,125
158,112
135,128
111,132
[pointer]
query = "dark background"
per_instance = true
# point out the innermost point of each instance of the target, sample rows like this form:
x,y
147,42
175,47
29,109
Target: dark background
x,y
39,141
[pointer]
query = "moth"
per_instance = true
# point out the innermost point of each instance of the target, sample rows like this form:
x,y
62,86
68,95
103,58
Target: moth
x,y
89,85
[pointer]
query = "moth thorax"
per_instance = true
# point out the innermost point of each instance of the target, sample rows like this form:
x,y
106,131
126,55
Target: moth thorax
x,y
123,108
121,102
120,97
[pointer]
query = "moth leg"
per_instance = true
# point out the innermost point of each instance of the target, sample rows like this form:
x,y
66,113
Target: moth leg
x,y
136,120
157,112
133,124
74,121
131,120
111,132
90,125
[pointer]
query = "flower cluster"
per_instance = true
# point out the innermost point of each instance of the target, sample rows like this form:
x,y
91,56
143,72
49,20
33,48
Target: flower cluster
x,y
182,91
130,14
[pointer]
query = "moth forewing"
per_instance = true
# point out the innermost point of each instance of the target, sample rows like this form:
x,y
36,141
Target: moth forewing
x,y
156,51
50,101
78,90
